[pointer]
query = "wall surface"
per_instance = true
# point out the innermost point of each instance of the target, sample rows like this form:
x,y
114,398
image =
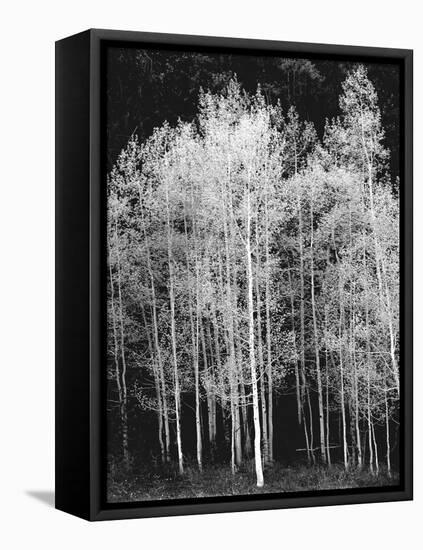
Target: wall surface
x,y
29,30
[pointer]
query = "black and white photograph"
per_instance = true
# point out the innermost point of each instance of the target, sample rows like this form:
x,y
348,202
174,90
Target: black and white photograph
x,y
210,232
253,274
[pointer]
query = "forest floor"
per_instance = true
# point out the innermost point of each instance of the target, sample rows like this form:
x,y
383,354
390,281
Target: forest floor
x,y
217,480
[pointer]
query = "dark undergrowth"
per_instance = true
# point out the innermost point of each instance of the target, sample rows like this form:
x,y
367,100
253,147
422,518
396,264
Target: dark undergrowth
x,y
217,480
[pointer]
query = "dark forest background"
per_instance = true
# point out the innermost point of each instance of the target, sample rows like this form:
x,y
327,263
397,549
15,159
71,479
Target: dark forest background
x,y
147,87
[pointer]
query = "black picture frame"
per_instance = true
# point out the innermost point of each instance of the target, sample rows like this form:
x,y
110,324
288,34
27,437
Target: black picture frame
x,y
80,284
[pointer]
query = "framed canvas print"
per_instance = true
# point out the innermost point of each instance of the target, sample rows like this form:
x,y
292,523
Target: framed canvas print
x,y
233,274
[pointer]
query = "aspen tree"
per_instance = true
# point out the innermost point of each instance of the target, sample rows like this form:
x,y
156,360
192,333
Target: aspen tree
x,y
173,331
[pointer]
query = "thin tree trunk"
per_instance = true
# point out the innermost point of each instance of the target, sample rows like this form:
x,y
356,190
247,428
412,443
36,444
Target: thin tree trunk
x,y
212,393
156,336
194,337
327,390
233,460
218,363
369,421
305,390
173,337
353,446
341,364
268,332
199,441
233,374
124,402
316,343
357,414
260,358
238,363
297,371
388,443
256,418
300,399
241,394
156,385
352,349
208,390
247,437
376,451
369,425
116,353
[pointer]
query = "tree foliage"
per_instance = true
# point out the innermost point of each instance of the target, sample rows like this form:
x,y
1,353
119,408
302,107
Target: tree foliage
x,y
249,259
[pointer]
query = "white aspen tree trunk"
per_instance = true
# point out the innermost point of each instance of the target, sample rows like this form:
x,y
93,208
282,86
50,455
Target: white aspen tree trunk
x,y
237,422
388,443
159,415
229,348
221,331
124,403
232,432
235,425
364,445
369,421
256,417
161,378
369,425
225,418
156,385
196,343
208,393
236,384
327,389
268,332
197,375
341,365
116,348
316,342
194,334
244,407
305,390
218,362
327,419
352,349
376,449
156,335
233,374
232,278
212,392
173,337
237,373
300,399
214,418
260,357
357,411
161,374
344,424
391,330
310,414
264,417
297,371
199,439
115,336
353,445
310,458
